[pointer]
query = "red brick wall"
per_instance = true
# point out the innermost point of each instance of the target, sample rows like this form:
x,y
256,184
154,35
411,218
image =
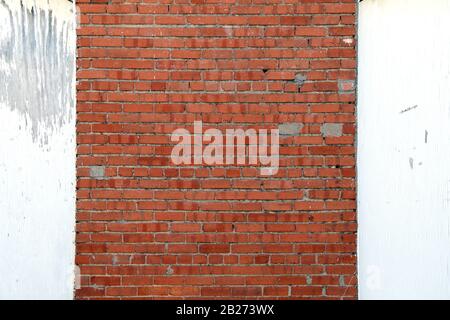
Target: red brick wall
x,y
150,229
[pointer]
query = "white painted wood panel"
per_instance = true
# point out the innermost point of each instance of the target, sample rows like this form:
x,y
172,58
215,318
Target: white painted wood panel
x,y
404,149
37,149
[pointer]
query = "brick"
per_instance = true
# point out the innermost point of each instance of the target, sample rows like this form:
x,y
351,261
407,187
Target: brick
x,y
149,229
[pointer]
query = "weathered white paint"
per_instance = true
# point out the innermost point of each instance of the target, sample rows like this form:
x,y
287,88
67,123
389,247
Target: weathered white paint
x,y
404,149
37,149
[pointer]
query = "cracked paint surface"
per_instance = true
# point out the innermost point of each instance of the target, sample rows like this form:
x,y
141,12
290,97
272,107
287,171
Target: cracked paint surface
x,y
37,63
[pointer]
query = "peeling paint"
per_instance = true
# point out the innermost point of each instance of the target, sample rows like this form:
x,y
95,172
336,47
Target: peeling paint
x,y
37,152
348,41
33,77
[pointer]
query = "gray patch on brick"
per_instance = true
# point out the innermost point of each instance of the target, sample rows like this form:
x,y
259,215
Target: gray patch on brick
x,y
290,129
346,86
332,129
169,270
97,172
341,281
308,280
300,79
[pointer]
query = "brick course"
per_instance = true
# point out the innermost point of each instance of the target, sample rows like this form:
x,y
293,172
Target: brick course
x,y
147,228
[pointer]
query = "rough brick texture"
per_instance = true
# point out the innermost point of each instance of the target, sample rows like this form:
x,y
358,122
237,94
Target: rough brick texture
x,y
150,229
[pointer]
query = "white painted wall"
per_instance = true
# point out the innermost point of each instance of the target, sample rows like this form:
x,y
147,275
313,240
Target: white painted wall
x,y
404,149
37,149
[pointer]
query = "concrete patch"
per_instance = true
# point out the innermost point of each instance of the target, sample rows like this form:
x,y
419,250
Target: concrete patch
x,y
37,66
300,79
332,129
290,129
97,172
